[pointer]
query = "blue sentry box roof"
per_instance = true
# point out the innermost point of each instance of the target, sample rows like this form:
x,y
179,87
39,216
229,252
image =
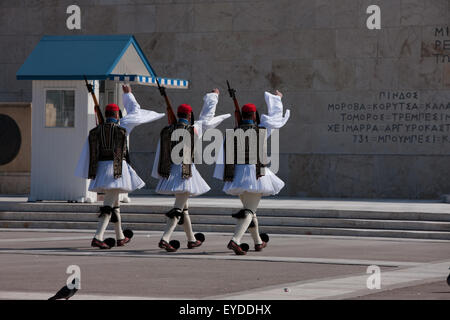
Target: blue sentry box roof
x,y
72,57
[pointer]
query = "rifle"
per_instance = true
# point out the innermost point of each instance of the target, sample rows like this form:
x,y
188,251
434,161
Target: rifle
x,y
237,110
99,119
170,114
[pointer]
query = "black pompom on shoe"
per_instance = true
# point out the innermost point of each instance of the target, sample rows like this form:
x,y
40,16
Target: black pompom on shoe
x,y
128,233
169,247
111,242
200,237
264,237
238,250
245,247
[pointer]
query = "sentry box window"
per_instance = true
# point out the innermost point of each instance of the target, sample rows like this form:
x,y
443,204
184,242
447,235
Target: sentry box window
x,y
60,108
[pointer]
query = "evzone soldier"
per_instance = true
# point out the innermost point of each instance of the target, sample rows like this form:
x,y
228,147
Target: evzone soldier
x,y
105,160
183,180
251,181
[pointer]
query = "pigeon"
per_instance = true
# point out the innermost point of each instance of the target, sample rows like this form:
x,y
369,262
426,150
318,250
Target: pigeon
x,y
65,292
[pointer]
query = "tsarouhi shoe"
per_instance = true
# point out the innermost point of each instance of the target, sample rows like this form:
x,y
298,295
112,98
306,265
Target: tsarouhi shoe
x,y
236,248
99,244
259,247
165,245
194,244
121,243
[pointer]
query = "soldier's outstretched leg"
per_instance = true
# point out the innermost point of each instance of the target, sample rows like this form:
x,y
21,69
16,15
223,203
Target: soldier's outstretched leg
x,y
252,200
174,216
121,239
247,220
193,242
104,218
254,231
244,217
97,241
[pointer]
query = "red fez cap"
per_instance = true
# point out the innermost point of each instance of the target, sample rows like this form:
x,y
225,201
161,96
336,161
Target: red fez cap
x,y
112,107
249,107
184,108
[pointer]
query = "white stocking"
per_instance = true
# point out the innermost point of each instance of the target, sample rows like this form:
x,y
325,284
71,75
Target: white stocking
x,y
249,201
118,225
111,199
170,227
187,225
101,226
241,227
180,203
254,231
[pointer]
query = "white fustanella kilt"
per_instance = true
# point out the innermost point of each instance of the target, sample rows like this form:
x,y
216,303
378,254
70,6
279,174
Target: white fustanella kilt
x,y
174,184
245,181
104,180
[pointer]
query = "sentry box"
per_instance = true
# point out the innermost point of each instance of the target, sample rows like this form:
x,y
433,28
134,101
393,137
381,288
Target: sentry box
x,y
63,110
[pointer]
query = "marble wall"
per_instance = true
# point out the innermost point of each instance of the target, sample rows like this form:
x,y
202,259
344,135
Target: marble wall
x,y
370,109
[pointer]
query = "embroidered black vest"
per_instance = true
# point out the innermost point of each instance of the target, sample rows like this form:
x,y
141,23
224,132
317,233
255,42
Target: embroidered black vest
x,y
107,142
228,174
166,147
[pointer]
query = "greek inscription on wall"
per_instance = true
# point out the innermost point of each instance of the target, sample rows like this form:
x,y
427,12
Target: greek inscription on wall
x,y
442,44
395,118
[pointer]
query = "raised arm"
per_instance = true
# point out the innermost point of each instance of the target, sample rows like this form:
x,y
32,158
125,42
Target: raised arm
x,y
210,101
135,115
129,101
207,118
274,119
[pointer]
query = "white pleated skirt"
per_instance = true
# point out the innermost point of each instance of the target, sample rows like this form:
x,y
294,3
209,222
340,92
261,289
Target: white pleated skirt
x,y
194,185
104,180
245,181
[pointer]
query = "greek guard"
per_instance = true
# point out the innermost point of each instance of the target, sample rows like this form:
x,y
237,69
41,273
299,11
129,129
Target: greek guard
x,y
249,180
105,160
183,180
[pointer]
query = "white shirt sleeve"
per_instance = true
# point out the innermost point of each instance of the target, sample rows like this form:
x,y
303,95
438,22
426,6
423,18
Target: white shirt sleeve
x,y
274,119
207,119
130,103
135,115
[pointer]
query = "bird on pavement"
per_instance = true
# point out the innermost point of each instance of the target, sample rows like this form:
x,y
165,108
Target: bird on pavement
x,y
65,292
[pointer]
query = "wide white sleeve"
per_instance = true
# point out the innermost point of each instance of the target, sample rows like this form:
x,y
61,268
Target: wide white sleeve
x,y
130,103
82,169
155,173
207,119
210,101
274,119
135,115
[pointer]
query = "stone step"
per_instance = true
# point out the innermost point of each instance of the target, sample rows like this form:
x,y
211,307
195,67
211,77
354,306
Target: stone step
x,y
279,221
413,234
211,210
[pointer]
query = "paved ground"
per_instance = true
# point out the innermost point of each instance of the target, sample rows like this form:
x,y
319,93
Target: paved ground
x,y
33,265
428,291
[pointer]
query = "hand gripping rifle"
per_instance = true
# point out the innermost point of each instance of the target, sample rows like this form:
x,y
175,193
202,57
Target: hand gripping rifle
x,y
170,114
99,117
237,110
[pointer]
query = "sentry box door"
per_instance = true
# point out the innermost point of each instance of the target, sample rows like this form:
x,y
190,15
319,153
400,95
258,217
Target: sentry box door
x,y
62,115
